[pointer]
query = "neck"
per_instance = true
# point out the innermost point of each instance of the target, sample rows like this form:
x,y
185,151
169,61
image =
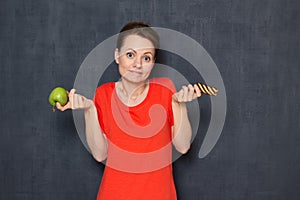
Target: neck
x,y
133,89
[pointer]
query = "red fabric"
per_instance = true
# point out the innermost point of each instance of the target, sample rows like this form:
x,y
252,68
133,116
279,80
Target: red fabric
x,y
139,161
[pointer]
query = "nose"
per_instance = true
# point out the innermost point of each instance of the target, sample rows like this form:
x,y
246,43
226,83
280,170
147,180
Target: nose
x,y
138,62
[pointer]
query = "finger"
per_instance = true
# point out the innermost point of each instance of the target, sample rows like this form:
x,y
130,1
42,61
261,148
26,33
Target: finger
x,y
71,97
191,92
78,101
62,108
75,101
72,92
58,106
67,106
180,95
185,93
175,96
197,90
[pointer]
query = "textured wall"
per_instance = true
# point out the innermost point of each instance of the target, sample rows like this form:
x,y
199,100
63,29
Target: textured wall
x,y
255,45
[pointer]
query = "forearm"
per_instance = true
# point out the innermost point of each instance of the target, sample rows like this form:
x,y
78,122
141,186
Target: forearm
x,y
95,138
182,131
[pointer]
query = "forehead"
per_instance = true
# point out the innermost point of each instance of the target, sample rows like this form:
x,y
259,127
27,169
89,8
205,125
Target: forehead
x,y
137,42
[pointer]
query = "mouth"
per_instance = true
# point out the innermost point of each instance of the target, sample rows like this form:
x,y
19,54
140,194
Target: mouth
x,y
135,72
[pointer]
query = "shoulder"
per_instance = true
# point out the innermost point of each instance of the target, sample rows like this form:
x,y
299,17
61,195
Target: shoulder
x,y
105,87
104,91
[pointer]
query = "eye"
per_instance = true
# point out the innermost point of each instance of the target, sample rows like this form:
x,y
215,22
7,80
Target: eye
x,y
147,58
129,55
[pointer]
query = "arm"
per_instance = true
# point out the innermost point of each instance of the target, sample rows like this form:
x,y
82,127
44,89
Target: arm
x,y
182,131
94,136
96,140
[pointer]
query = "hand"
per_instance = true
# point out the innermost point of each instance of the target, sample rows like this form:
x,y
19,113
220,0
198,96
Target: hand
x,y
76,101
187,94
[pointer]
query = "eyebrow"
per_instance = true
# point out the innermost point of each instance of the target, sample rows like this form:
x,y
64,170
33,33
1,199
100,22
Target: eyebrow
x,y
135,51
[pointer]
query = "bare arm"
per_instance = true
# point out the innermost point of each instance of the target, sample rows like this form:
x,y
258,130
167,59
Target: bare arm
x,y
94,136
182,131
96,140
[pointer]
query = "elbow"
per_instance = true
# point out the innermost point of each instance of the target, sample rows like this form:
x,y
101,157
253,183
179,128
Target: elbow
x,y
184,149
99,157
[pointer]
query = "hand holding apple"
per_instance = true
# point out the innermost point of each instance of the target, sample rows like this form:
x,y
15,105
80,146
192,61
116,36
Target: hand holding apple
x,y
76,101
60,95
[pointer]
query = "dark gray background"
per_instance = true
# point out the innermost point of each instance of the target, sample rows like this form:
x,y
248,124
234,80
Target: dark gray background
x,y
255,45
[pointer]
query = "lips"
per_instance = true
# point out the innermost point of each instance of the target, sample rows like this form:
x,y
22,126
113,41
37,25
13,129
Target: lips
x,y
136,72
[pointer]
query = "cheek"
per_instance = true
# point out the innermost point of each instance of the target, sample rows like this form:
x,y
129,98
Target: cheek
x,y
148,68
123,62
122,69
124,65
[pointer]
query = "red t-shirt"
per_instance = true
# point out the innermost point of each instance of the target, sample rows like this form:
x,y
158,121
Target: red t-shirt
x,y
139,160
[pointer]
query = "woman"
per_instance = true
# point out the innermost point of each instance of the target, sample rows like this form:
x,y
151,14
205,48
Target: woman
x,y
133,122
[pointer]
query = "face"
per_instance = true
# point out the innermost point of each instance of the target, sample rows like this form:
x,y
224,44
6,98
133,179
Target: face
x,y
135,58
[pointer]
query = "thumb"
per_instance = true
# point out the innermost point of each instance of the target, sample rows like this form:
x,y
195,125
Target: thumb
x,y
58,106
175,96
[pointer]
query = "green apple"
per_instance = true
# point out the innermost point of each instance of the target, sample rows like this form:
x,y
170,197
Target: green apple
x,y
60,95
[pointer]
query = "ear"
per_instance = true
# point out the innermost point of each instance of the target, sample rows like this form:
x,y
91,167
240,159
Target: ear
x,y
117,55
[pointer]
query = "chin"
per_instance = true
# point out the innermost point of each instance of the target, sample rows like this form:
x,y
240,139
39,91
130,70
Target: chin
x,y
135,79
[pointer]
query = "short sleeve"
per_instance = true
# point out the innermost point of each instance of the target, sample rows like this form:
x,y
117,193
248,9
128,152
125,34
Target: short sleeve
x,y
172,90
97,102
169,89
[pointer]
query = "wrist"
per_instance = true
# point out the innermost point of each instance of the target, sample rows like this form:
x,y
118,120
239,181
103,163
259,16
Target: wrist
x,y
178,104
89,106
